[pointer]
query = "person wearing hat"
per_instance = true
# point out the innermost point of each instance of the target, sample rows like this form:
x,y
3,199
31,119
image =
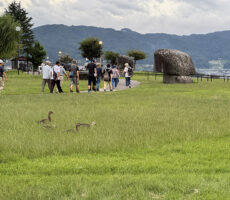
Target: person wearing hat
x,y
2,73
46,75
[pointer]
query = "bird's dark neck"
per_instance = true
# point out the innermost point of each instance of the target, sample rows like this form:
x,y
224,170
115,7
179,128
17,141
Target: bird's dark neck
x,y
49,117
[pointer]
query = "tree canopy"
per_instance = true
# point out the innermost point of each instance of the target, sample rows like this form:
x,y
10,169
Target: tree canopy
x,y
111,56
21,16
8,37
136,54
91,48
37,54
66,58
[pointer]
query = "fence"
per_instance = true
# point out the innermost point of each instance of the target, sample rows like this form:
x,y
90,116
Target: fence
x,y
198,77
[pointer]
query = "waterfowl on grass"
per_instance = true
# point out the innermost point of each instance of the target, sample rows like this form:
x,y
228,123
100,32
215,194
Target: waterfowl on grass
x,y
80,124
46,120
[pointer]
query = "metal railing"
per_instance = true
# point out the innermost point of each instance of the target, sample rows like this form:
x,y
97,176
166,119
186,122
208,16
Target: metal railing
x,y
198,77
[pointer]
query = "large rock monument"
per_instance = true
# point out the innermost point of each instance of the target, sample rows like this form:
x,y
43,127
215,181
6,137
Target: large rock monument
x,y
177,66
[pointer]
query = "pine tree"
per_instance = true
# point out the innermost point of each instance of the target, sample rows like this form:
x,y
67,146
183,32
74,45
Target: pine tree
x,y
21,16
37,54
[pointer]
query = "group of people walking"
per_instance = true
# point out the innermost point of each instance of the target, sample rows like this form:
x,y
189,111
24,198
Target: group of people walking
x,y
111,74
55,76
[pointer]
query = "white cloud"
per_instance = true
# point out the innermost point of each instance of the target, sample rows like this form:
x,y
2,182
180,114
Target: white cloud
x,y
169,16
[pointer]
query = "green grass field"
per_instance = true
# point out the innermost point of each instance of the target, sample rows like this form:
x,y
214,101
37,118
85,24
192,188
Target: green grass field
x,y
155,141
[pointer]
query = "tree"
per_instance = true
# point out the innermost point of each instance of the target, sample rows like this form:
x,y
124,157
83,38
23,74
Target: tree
x,y
137,55
37,54
8,37
91,48
20,16
66,58
111,56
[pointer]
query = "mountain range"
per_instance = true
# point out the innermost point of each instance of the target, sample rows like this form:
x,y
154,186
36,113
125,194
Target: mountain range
x,y
201,47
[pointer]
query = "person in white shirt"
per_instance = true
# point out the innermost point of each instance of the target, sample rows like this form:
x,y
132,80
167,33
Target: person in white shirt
x,y
46,75
127,76
55,79
61,75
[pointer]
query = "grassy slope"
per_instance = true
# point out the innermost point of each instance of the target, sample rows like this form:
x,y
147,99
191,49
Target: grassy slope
x,y
153,142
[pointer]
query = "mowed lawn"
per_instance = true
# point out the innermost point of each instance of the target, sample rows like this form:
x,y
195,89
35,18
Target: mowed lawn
x,y
155,141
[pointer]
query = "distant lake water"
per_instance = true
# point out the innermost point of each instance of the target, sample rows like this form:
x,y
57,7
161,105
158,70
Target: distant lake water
x,y
217,71
211,71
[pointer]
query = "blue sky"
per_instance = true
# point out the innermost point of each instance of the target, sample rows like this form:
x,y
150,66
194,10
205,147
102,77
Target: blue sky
x,y
144,16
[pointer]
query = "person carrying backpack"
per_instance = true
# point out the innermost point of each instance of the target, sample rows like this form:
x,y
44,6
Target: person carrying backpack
x,y
74,76
115,76
107,77
128,74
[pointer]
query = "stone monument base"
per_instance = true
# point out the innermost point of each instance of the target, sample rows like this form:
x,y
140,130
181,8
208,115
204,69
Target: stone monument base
x,y
176,79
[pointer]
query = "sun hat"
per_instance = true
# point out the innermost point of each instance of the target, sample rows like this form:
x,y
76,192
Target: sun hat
x,y
1,61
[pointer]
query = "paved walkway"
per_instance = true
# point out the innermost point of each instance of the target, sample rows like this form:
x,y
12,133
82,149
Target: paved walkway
x,y
121,85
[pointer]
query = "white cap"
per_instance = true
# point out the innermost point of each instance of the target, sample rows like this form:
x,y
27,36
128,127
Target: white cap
x,y
1,61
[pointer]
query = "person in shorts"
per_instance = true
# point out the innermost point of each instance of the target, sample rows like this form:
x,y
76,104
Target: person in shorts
x,y
74,76
92,68
2,74
108,73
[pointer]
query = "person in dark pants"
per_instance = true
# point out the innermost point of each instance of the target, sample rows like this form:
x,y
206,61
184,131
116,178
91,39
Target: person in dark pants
x,y
55,79
99,75
127,75
92,75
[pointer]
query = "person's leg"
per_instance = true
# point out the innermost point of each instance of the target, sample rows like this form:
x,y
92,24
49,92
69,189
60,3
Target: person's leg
x,y
43,85
1,84
71,85
94,84
98,83
126,81
52,86
113,83
105,84
58,86
89,83
49,84
61,80
110,85
77,86
129,81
